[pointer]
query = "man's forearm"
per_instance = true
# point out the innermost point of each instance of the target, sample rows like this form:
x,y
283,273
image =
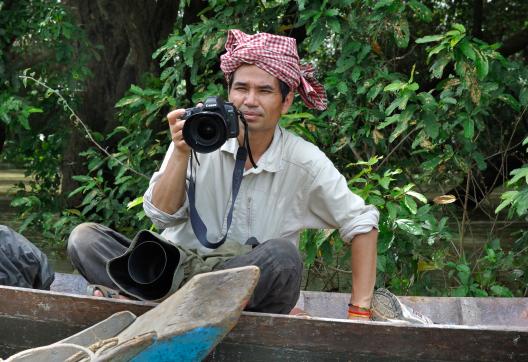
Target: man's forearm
x,y
169,191
363,265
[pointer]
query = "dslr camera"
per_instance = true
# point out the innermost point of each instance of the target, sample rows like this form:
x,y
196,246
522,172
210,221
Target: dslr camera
x,y
208,127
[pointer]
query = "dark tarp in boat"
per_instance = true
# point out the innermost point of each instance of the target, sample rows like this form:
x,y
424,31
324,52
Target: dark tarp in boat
x,y
22,264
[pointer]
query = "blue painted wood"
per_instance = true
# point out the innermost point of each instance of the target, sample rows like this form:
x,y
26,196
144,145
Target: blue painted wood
x,y
191,346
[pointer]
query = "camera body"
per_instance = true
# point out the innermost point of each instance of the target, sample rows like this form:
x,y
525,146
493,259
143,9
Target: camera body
x,y
208,127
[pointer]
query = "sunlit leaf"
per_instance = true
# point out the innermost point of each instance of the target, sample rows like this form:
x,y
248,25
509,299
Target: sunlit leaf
x,y
136,202
444,199
417,196
409,226
410,204
429,39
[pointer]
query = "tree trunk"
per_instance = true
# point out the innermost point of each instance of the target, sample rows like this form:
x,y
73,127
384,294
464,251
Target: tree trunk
x,y
478,16
515,43
2,135
127,33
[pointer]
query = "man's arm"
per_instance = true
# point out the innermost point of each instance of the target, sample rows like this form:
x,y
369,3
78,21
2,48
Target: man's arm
x,y
168,194
363,266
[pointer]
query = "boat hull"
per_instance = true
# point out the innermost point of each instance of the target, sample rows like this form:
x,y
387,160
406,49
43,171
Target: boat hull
x,y
495,329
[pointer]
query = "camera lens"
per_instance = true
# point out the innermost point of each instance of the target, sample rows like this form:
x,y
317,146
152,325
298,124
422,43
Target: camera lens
x,y
205,132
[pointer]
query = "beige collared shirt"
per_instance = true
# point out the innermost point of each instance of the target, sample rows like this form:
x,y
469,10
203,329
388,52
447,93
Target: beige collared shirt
x,y
294,187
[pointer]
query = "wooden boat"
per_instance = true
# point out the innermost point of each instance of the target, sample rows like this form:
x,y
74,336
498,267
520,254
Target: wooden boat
x,y
467,329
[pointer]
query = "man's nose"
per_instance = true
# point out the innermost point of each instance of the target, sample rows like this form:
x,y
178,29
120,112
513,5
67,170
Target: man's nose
x,y
251,98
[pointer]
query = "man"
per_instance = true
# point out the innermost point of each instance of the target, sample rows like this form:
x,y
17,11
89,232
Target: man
x,y
294,185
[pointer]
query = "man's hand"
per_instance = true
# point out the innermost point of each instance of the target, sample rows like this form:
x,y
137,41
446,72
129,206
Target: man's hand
x,y
176,131
168,194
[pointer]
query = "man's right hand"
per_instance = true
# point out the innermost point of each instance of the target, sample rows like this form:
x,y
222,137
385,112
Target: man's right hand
x,y
168,193
176,131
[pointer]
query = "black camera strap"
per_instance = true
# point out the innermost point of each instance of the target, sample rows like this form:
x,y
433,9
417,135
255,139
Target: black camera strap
x,y
198,226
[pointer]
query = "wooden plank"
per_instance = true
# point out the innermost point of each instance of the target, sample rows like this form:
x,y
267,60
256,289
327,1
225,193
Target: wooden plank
x,y
74,310
17,334
327,339
243,352
31,318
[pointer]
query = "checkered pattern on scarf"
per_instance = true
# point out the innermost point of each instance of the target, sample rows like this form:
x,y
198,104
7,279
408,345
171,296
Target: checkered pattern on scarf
x,y
276,55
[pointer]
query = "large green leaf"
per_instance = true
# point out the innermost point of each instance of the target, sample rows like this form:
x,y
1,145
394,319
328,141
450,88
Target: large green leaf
x,y
394,86
501,291
401,33
467,49
422,11
382,3
410,204
400,128
481,62
469,127
523,96
432,127
511,101
409,226
430,38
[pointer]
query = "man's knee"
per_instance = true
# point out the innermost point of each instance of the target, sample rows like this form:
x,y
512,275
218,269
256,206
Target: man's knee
x,y
80,237
284,253
280,278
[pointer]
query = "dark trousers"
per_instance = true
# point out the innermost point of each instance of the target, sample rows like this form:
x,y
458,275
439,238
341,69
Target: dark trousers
x,y
91,245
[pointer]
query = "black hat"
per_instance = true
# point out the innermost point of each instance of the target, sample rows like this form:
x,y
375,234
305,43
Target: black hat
x,y
151,269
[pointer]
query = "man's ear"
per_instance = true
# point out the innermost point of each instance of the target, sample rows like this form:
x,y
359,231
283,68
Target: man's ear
x,y
287,102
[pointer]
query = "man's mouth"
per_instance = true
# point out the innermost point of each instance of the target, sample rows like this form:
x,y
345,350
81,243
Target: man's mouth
x,y
250,115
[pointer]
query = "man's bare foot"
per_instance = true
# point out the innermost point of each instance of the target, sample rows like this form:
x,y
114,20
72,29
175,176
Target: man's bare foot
x,y
298,312
102,291
98,293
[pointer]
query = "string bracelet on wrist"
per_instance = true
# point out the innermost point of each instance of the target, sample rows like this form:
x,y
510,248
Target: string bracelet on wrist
x,y
359,312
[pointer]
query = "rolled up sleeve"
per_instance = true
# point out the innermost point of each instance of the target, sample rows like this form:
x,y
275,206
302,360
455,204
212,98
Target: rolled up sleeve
x,y
332,201
159,218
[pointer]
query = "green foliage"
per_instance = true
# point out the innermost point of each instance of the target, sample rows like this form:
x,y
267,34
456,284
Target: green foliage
x,y
14,110
114,181
411,239
517,199
41,35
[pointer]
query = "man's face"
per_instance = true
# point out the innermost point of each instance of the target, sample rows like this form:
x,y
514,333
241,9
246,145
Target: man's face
x,y
256,94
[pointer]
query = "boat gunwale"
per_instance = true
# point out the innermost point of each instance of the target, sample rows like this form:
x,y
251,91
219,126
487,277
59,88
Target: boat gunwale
x,y
486,327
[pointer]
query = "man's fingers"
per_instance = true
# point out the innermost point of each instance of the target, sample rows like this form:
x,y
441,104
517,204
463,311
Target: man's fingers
x,y
176,125
175,115
177,136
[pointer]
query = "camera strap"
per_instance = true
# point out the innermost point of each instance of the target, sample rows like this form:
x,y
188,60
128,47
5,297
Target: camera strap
x,y
198,226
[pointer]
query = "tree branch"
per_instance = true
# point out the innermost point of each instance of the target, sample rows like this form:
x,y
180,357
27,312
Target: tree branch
x,y
85,127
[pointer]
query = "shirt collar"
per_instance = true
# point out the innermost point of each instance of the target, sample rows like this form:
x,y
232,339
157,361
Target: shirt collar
x,y
271,160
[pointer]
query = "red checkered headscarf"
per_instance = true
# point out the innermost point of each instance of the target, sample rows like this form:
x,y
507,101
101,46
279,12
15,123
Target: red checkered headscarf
x,y
276,55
